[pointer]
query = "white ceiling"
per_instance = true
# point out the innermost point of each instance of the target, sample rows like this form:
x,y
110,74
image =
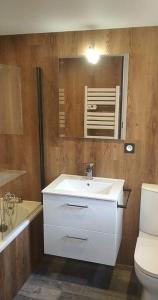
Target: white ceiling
x,y
30,16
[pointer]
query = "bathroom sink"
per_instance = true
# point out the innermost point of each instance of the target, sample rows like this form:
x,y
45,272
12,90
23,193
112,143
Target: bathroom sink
x,y
83,218
80,186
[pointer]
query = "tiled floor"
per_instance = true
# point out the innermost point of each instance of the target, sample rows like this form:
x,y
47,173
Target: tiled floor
x,y
66,279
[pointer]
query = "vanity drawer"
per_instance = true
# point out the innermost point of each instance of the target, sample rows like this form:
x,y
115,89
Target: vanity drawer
x,y
80,244
81,213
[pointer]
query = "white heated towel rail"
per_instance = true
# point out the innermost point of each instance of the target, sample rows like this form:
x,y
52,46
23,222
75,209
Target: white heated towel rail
x,y
96,118
61,112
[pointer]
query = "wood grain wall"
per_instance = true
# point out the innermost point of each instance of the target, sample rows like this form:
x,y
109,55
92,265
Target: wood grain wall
x,y
10,100
68,155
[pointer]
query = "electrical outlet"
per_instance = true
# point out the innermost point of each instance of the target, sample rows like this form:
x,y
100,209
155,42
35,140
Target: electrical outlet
x,y
129,148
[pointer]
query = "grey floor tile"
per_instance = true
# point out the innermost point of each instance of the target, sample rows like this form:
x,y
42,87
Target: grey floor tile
x,y
21,297
120,280
40,292
67,296
64,279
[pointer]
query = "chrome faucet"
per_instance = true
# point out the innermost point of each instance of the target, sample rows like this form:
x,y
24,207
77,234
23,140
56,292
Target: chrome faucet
x,y
18,199
12,198
89,171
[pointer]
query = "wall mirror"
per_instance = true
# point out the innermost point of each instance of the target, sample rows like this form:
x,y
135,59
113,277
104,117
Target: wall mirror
x,y
11,119
93,97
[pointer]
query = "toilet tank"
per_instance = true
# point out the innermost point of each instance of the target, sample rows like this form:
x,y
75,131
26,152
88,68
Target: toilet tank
x,y
149,209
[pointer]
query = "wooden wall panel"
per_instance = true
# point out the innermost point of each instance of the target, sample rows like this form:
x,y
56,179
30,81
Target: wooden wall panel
x,y
69,155
10,100
21,258
16,186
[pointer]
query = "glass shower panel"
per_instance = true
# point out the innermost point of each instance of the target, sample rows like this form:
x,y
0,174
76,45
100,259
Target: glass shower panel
x,y
11,121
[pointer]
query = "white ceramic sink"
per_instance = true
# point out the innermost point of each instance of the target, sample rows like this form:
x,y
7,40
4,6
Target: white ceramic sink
x,y
80,186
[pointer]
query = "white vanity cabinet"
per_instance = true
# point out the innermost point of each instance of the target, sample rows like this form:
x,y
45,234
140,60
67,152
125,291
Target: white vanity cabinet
x,y
82,228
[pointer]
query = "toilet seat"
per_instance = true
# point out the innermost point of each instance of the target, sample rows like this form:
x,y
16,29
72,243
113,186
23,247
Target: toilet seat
x,y
146,255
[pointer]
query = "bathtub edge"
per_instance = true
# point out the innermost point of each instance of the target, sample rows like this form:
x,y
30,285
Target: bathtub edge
x,y
4,243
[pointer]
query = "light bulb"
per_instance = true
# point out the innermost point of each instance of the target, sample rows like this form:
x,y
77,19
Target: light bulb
x,y
92,55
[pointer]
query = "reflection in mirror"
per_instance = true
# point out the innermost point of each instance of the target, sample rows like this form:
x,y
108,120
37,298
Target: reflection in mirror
x,y
11,121
93,98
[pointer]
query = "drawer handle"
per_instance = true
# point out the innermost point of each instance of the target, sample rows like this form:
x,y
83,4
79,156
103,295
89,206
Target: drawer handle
x,y
76,238
79,206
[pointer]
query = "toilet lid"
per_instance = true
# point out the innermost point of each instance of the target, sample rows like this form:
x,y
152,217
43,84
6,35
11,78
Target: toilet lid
x,y
146,255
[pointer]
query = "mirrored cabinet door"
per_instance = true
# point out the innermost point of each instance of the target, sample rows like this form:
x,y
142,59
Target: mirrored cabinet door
x,y
93,97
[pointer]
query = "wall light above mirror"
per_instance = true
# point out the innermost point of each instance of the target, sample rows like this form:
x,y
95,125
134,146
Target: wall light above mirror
x,y
93,97
92,55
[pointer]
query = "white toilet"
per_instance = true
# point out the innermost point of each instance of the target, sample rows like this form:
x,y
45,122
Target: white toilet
x,y
146,252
